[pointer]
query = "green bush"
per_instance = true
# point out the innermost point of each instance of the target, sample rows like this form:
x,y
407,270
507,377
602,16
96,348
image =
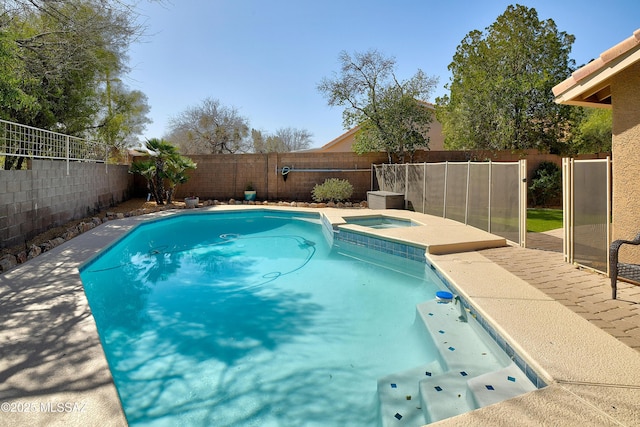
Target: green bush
x,y
546,185
333,189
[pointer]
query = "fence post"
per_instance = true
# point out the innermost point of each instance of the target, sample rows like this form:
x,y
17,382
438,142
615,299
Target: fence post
x,y
424,188
444,199
567,212
522,215
68,153
489,201
406,184
466,197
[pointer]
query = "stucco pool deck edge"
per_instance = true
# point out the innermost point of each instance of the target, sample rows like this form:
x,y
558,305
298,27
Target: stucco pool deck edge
x,y
605,393
593,379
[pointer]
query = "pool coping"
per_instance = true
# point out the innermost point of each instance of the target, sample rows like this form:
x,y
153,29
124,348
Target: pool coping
x,y
50,352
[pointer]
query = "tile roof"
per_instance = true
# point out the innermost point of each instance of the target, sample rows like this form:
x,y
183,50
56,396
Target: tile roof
x,y
589,84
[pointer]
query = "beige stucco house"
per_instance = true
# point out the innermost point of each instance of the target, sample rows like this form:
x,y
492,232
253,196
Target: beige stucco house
x,y
613,81
344,142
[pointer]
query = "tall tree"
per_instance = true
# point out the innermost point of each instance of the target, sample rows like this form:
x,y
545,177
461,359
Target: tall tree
x,y
282,140
124,115
393,114
210,128
593,134
500,89
58,57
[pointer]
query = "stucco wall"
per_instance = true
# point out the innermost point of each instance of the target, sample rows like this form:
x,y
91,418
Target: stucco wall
x,y
31,201
625,92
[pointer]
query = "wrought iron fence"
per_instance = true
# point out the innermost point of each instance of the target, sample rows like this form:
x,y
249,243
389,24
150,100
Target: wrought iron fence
x,y
17,140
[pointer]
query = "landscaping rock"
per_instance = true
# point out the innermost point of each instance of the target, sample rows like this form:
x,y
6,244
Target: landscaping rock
x,y
83,227
70,233
21,257
34,251
57,241
46,246
8,261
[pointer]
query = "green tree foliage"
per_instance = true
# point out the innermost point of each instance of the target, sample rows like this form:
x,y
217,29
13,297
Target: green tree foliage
x,y
546,185
392,114
210,128
332,189
594,133
124,117
57,60
165,168
500,90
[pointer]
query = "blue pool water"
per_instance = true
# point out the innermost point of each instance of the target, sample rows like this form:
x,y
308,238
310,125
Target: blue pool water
x,y
243,320
254,319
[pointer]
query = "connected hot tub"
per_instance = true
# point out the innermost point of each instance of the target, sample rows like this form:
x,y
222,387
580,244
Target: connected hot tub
x,y
381,221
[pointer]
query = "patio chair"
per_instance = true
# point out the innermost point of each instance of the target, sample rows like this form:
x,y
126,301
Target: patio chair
x,y
626,271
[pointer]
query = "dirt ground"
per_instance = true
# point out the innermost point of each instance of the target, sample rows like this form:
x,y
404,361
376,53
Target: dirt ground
x,y
124,207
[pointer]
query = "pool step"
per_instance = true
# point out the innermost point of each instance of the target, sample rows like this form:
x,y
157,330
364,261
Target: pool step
x,y
494,387
463,345
471,372
399,398
445,396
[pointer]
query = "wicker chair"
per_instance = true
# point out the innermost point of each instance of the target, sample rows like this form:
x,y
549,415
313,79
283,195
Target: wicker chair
x,y
627,271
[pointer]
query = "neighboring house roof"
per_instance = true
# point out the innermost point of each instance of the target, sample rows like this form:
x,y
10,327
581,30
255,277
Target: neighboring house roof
x,y
344,142
590,85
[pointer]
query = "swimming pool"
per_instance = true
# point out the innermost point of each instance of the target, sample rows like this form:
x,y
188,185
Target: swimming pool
x,y
253,318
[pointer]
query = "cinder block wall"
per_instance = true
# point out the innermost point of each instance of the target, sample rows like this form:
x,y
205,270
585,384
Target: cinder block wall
x,y
34,200
226,176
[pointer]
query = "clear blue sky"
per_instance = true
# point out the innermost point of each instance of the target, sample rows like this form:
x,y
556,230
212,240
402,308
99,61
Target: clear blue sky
x,y
266,57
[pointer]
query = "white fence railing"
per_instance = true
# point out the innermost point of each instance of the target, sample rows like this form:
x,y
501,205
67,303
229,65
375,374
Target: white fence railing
x,y
17,140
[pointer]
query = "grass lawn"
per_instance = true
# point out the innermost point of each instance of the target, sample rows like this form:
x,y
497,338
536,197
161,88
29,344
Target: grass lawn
x,y
539,220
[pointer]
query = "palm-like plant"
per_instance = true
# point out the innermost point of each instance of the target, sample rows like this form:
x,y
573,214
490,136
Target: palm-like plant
x,y
146,169
175,173
166,163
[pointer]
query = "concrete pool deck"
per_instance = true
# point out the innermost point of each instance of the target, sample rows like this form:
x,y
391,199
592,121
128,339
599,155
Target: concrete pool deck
x,y
561,319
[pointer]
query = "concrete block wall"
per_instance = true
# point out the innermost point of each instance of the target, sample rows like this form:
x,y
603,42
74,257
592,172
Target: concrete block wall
x,y
34,200
226,176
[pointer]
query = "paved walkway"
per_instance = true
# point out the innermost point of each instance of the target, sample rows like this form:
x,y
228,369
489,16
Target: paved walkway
x,y
585,292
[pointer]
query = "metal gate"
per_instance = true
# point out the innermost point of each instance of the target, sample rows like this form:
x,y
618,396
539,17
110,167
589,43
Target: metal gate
x,y
586,200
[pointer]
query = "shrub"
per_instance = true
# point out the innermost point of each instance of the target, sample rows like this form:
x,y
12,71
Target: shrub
x,y
546,185
333,189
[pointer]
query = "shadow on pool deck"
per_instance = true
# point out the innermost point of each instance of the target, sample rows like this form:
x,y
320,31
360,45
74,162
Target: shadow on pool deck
x,y
51,360
50,352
